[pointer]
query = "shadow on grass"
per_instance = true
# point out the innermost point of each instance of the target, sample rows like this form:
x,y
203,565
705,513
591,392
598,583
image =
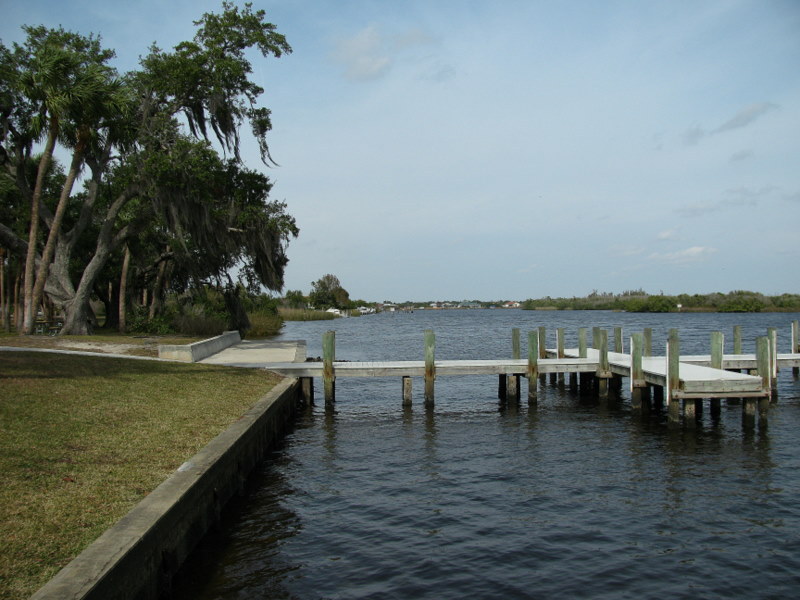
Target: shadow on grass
x,y
55,365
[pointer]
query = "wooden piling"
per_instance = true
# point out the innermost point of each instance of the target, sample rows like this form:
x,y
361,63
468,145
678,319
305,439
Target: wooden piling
x,y
619,347
763,359
533,366
328,376
603,373
512,382
430,367
407,393
582,349
647,350
585,378
542,350
307,390
673,377
737,339
717,347
637,373
772,334
795,349
560,352
690,412
512,388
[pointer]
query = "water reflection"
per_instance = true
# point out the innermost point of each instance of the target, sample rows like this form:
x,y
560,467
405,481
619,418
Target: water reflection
x,y
572,497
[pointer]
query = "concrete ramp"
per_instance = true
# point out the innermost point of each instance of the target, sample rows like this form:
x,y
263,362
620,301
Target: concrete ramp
x,y
257,354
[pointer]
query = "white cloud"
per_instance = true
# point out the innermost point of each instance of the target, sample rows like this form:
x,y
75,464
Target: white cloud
x,y
682,257
732,198
363,55
693,135
741,155
746,116
667,234
621,250
370,53
743,118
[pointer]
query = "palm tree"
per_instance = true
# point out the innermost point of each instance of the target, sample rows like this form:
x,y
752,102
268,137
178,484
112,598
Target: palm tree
x,y
63,77
97,96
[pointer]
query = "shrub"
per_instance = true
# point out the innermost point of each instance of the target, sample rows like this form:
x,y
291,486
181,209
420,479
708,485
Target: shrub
x,y
264,323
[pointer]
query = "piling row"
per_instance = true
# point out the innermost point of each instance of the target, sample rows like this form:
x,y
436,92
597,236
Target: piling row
x,y
600,374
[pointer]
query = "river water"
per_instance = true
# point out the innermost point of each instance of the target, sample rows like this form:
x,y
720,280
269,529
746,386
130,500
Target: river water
x,y
570,499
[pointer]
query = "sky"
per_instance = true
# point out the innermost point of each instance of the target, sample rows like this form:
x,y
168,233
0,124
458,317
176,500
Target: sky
x,y
505,149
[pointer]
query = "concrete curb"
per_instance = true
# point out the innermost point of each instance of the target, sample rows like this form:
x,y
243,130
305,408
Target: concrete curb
x,y
138,556
199,350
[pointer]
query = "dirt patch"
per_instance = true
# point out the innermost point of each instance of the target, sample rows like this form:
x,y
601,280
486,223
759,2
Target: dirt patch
x,y
100,347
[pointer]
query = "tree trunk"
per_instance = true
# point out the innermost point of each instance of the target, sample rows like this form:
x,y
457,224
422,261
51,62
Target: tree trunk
x,y
55,228
30,259
109,296
4,291
157,292
19,316
78,311
123,290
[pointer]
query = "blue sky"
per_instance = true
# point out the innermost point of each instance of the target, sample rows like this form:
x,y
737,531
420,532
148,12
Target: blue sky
x,y
511,149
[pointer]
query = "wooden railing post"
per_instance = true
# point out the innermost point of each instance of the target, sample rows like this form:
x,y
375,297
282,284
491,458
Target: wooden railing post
x,y
430,366
533,366
795,349
328,375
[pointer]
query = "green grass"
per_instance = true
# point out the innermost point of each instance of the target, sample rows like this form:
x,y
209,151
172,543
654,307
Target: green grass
x,y
83,439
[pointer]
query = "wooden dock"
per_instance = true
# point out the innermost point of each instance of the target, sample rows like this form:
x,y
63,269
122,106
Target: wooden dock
x,y
676,378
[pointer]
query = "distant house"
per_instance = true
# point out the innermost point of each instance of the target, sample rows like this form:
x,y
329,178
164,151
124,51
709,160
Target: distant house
x,y
469,305
511,304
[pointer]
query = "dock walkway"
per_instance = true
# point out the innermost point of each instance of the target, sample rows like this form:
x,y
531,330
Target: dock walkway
x,y
696,378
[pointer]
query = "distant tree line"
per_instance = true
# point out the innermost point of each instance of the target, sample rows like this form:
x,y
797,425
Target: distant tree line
x,y
641,301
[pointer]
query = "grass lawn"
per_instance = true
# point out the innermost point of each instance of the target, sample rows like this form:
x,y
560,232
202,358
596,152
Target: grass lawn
x,y
83,439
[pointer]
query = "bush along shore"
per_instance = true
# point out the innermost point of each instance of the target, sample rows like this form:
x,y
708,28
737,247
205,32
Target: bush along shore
x,y
640,301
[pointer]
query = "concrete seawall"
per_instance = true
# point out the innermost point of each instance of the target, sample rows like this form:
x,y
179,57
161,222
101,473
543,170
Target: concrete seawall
x,y
199,350
138,556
